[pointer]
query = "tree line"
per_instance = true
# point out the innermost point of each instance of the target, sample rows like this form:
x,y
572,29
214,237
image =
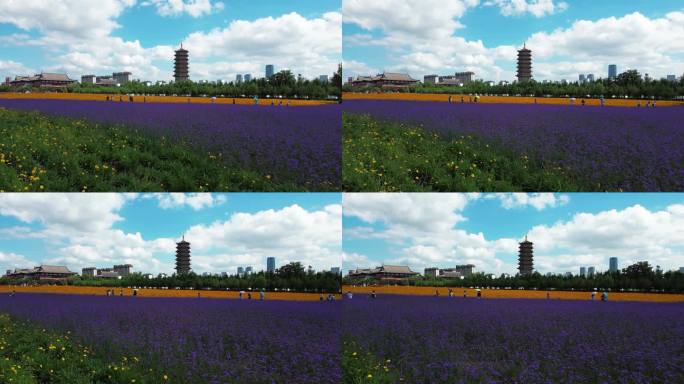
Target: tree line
x,y
629,83
282,84
640,277
291,276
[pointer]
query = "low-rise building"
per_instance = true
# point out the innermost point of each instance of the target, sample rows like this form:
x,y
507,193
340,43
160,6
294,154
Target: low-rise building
x,y
43,272
123,269
43,80
386,80
88,272
385,272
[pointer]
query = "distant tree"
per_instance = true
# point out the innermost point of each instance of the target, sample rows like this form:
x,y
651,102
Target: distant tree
x,y
285,77
638,270
291,270
337,77
631,77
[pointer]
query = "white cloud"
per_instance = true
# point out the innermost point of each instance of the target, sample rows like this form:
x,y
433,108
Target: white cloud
x,y
77,37
289,234
431,237
537,8
79,230
194,8
308,46
196,201
12,261
587,46
631,41
539,201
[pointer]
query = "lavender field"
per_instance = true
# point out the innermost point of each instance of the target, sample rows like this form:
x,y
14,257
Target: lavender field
x,y
300,146
617,149
198,340
455,340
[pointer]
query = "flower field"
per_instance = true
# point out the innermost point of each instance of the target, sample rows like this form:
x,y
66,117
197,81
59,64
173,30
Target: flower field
x,y
195,340
157,99
97,146
558,147
149,292
453,340
511,293
501,99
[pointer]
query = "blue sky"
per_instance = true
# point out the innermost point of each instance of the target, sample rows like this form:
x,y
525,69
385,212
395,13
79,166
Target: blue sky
x,y
567,37
224,37
225,230
569,230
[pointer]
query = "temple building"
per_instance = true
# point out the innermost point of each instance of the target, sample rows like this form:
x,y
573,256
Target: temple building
x,y
43,272
385,272
385,80
182,257
181,71
43,80
524,64
525,258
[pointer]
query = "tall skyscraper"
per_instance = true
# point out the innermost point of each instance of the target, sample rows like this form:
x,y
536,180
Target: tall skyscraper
x,y
524,64
525,258
241,271
613,265
270,264
591,271
181,69
248,77
582,78
248,270
270,71
238,78
182,257
323,78
583,271
612,71
335,270
590,77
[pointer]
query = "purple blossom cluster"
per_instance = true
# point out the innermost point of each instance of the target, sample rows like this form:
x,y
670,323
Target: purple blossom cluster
x,y
628,149
459,340
303,144
200,340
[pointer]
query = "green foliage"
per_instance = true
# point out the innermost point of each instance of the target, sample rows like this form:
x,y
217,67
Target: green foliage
x,y
362,367
628,84
631,278
291,276
282,83
31,355
389,156
45,153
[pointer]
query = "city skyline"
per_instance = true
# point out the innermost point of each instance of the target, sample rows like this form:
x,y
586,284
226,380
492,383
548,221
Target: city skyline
x,y
568,231
225,38
225,230
566,37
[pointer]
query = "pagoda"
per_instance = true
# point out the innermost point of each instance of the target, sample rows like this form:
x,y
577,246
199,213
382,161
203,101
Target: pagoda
x,y
182,257
181,71
524,64
525,256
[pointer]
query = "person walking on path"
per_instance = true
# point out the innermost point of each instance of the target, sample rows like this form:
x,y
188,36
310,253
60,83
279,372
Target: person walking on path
x,y
593,295
261,295
479,293
373,295
604,296
350,295
465,294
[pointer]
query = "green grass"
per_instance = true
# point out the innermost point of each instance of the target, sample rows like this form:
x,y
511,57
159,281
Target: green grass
x,y
46,153
30,355
389,156
362,367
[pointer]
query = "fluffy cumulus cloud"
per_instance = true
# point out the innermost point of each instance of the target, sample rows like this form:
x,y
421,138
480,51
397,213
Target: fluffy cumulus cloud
x,y
194,8
585,46
307,46
80,230
422,36
421,235
632,41
538,8
195,201
289,234
632,234
79,37
539,201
